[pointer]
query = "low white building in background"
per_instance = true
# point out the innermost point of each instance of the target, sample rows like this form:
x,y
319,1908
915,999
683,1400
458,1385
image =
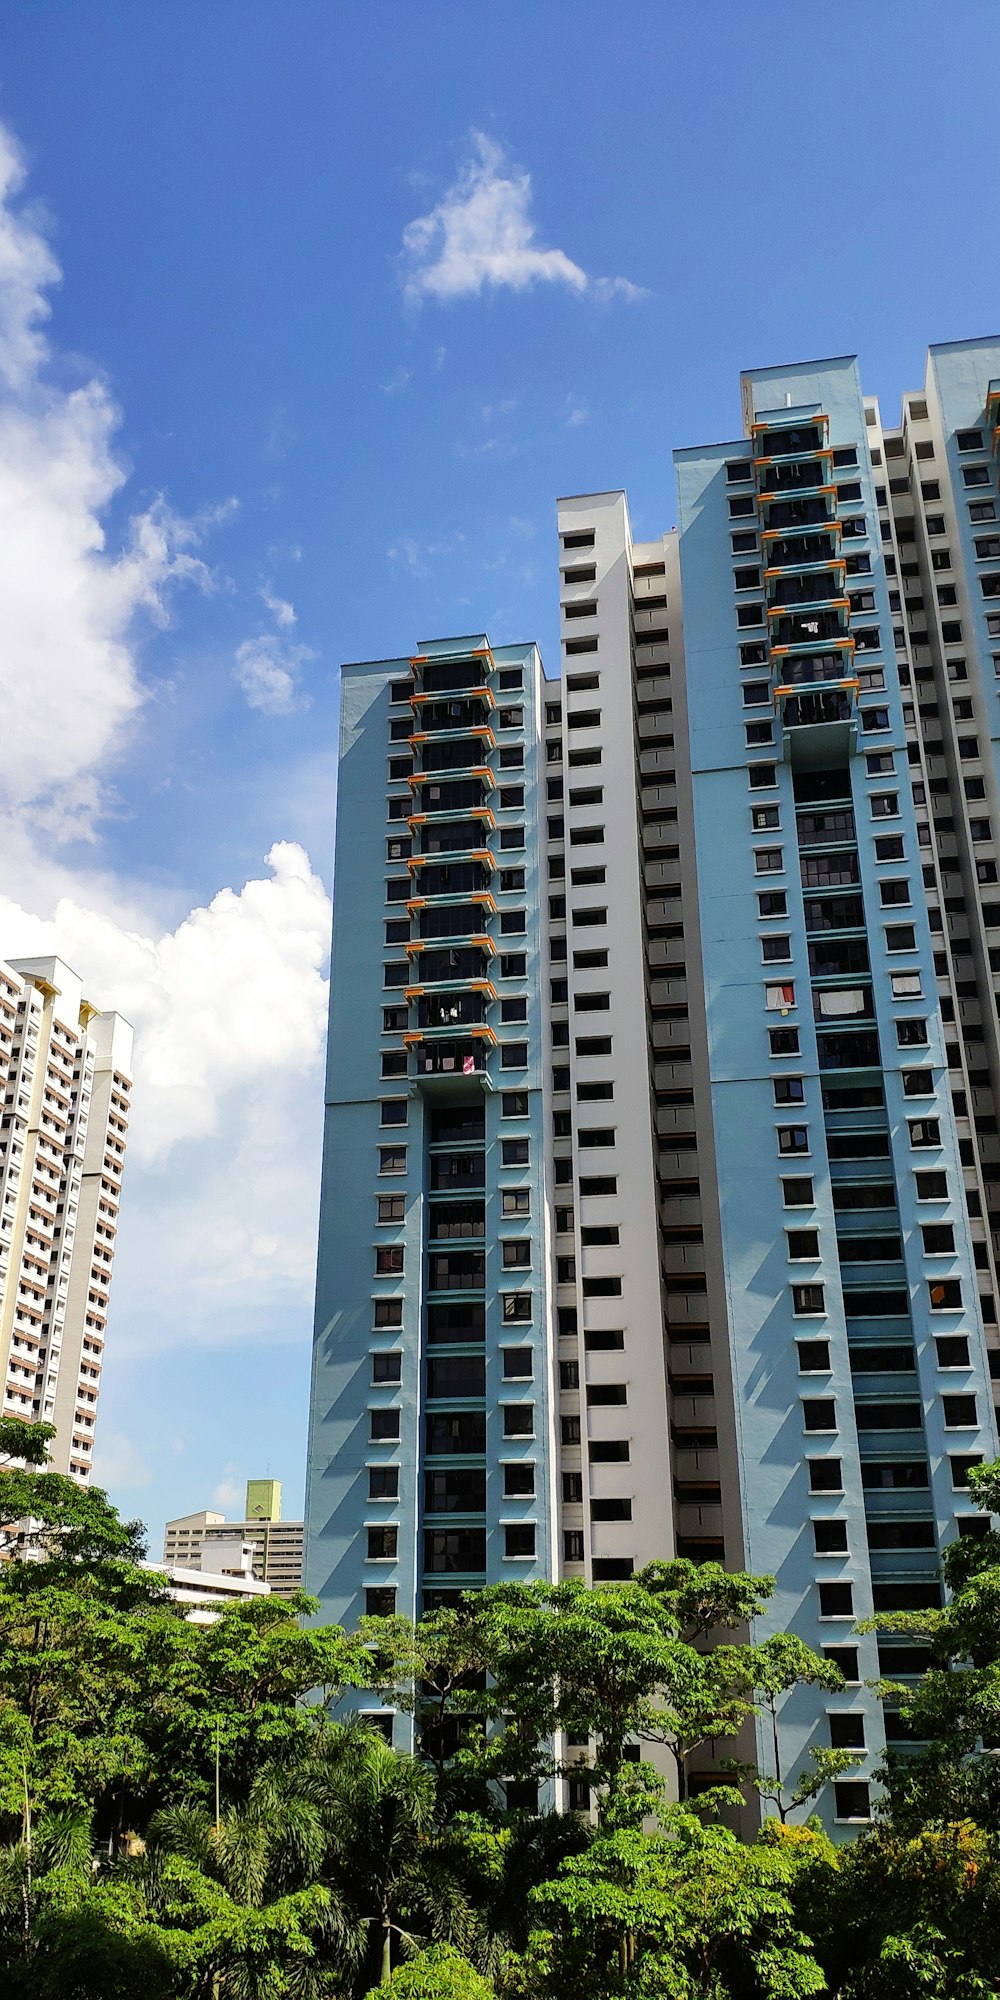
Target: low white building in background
x,y
277,1544
205,1592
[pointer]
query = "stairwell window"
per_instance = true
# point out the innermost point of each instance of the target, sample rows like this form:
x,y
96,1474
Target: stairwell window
x,y
836,1600
819,1413
808,1300
793,1138
825,1475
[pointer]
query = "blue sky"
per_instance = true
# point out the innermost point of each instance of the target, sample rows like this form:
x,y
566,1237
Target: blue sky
x,y
347,297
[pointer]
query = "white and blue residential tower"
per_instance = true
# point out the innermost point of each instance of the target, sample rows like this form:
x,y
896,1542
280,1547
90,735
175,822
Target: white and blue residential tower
x,y
661,1203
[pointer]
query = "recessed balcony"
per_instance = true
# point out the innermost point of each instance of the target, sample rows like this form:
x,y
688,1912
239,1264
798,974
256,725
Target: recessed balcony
x,y
464,675
448,857
484,987
465,751
444,1013
465,711
817,720
479,941
443,965
809,631
814,509
791,551
458,791
446,1066
794,475
815,584
481,899
810,669
450,878
791,440
436,822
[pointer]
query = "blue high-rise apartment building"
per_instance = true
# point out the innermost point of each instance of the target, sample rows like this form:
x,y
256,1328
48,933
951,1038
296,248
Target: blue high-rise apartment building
x,y
661,1201
431,1461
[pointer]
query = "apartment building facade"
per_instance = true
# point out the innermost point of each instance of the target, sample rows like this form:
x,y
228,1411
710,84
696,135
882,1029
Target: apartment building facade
x,y
431,1462
65,1083
765,1128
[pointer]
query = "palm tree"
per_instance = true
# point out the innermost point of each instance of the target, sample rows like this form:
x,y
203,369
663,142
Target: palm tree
x,y
252,1891
394,1864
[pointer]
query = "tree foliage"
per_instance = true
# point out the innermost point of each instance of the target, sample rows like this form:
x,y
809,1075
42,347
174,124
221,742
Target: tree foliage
x,y
193,1813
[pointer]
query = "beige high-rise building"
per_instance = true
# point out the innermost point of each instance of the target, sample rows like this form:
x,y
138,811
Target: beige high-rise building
x,y
276,1544
65,1084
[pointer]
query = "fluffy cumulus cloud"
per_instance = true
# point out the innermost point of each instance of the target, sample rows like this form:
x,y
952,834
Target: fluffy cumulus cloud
x,y
234,994
68,680
229,1003
268,672
480,237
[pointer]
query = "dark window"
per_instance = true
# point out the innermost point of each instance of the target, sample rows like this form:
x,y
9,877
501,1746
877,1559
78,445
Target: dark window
x,y
814,1357
844,1657
803,1243
789,1089
384,1425
819,1413
519,1540
830,1537
836,1600
952,1350
807,1299
797,1193
825,1475
960,1412
945,1294
793,1139
518,1482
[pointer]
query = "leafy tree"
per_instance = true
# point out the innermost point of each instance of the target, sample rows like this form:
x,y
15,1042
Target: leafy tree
x,y
607,1662
689,1913
62,1935
53,1519
236,1695
397,1869
439,1973
247,1905
901,1918
955,1707
778,1665
86,1636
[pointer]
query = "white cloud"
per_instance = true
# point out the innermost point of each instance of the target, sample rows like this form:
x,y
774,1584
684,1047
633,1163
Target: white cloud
x,y
229,1493
396,382
235,993
117,1462
282,611
67,606
218,1240
577,415
268,673
480,236
218,1230
416,557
